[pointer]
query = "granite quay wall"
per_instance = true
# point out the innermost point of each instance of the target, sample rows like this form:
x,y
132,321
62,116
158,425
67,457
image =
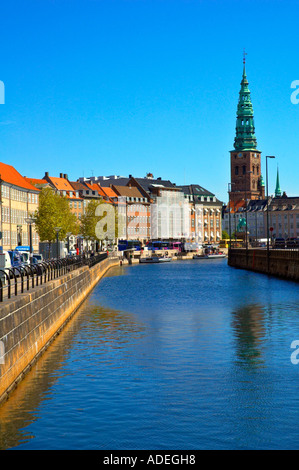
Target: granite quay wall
x,y
281,263
30,321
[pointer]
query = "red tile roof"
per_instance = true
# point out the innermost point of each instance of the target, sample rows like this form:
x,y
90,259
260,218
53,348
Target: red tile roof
x,y
35,181
109,192
96,187
73,196
10,175
235,206
61,184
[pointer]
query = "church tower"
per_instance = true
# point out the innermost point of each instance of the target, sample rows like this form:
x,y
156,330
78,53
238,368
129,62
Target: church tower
x,y
246,177
277,189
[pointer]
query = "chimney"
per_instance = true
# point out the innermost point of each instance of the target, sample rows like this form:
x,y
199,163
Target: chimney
x,y
60,175
65,176
47,174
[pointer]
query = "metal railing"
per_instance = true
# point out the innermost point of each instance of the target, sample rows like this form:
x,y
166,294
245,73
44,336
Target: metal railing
x,y
17,280
272,246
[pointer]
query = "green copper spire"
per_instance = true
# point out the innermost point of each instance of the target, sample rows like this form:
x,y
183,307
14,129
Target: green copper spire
x,y
245,138
277,189
262,183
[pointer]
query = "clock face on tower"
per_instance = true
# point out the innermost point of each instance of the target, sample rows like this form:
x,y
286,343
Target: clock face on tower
x,y
240,154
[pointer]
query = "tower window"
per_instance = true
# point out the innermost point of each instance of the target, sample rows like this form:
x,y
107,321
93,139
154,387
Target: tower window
x,y
244,169
236,170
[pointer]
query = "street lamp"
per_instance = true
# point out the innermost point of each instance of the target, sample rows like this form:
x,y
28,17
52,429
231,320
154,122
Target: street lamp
x,y
68,241
78,243
268,252
19,235
57,230
235,221
30,221
229,188
229,213
246,238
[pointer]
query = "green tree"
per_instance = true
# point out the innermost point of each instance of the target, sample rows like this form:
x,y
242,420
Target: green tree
x,y
225,235
100,221
54,211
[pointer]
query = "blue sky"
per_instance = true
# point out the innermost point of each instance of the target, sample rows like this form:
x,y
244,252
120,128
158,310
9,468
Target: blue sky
x,y
100,87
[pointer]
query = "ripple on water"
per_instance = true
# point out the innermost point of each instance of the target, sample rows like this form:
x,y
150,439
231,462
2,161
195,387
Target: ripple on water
x,y
181,356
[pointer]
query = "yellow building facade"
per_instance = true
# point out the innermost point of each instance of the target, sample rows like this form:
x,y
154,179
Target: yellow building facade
x,y
19,200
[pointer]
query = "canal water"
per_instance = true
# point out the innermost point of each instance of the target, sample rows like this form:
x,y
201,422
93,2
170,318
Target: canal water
x,y
184,355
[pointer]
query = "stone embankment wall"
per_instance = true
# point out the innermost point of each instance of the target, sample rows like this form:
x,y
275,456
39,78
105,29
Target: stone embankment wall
x,y
282,263
29,322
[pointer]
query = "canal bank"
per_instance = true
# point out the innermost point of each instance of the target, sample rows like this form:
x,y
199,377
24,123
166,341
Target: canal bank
x,y
280,263
30,322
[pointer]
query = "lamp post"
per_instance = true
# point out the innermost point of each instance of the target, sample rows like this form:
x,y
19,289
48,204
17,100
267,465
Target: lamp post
x,y
30,221
267,196
78,243
256,235
57,230
19,235
229,192
246,237
235,222
68,241
229,188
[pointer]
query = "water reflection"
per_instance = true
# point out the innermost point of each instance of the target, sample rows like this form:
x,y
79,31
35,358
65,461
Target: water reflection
x,y
248,326
103,330
114,326
166,357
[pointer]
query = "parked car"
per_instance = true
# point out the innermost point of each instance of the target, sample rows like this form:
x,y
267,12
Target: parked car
x,y
16,259
38,257
72,253
25,256
292,242
5,264
279,243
